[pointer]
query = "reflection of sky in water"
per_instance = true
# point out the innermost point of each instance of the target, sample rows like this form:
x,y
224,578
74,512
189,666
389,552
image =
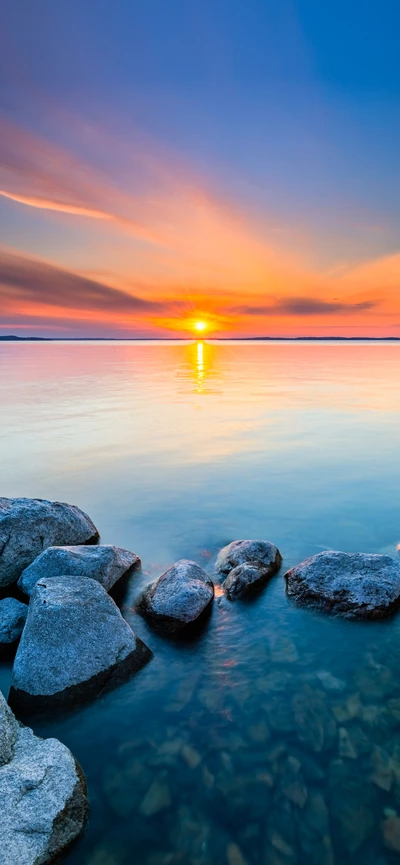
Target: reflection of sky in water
x,y
175,449
195,443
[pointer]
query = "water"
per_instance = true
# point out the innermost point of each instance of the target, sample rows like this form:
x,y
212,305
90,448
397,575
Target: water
x,y
273,735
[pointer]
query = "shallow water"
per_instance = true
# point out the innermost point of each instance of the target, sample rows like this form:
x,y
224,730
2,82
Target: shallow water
x,y
273,735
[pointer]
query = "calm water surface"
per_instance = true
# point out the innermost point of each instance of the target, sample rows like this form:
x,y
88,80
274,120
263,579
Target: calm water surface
x,y
273,735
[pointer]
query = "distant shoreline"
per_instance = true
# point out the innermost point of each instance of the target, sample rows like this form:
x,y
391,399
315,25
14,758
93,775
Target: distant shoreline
x,y
12,338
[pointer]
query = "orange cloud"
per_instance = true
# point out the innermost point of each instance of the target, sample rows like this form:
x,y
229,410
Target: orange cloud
x,y
207,257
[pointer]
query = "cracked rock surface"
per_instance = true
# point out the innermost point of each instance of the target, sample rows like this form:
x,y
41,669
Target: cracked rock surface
x,y
29,526
75,644
103,562
355,585
43,801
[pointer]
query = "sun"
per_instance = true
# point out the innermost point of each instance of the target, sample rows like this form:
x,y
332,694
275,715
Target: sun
x,y
200,326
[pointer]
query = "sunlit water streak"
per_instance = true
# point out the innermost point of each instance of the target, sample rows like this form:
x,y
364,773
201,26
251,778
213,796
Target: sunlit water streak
x,y
174,449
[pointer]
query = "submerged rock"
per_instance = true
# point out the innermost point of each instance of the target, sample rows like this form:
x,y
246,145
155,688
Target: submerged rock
x,y
104,563
42,795
178,597
12,620
359,585
75,644
29,526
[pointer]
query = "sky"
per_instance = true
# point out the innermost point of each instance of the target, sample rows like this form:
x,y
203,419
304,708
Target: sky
x,y
230,162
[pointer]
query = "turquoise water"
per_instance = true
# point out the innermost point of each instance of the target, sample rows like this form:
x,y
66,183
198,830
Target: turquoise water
x,y
273,735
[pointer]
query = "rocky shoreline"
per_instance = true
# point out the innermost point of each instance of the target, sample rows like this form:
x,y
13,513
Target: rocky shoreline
x,y
50,550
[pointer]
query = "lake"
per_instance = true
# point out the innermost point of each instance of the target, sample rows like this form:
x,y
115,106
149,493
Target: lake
x,y
272,736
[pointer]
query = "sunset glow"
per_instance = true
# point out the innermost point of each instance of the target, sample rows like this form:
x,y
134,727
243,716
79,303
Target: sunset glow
x,y
256,204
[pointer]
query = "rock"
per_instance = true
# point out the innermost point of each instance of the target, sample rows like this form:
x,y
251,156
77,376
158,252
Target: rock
x,y
355,585
42,796
75,644
157,798
260,556
9,731
103,563
12,620
191,756
242,580
391,833
29,526
329,682
234,855
178,597
316,728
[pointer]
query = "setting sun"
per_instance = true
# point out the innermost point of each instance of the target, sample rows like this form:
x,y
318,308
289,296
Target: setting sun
x,y
200,326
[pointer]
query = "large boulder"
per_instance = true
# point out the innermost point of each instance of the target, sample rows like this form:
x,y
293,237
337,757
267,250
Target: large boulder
x,y
12,620
29,526
178,597
356,585
103,563
75,644
43,802
249,565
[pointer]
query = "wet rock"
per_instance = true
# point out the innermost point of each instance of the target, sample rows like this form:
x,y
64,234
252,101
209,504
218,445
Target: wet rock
x,y
352,806
249,565
314,835
178,597
329,682
191,757
29,526
12,620
316,728
391,833
75,644
348,709
292,784
103,562
157,798
381,770
234,855
9,732
356,585
42,795
283,651
346,747
243,580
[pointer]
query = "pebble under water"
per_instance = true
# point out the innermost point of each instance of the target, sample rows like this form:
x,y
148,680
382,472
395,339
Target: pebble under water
x,y
271,735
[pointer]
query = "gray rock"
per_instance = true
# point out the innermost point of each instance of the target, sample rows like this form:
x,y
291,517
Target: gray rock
x,y
43,800
29,526
103,563
178,597
358,585
249,565
244,579
75,644
9,729
12,620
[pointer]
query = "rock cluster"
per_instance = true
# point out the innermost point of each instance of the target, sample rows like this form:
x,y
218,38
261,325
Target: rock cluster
x,y
43,802
248,565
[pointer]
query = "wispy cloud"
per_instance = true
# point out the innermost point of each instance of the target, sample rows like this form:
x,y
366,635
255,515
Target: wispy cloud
x,y
304,306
